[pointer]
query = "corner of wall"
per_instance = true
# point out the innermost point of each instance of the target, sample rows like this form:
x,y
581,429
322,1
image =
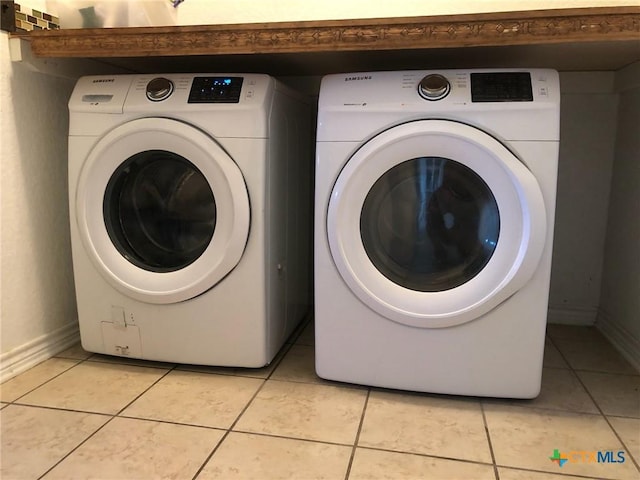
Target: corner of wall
x,y
628,78
619,311
587,145
620,337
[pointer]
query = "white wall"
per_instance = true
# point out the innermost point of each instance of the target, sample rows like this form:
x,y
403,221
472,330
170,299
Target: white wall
x,y
119,13
37,304
587,141
619,316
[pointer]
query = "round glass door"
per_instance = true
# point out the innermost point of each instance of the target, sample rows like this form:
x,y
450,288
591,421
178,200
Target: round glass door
x,y
162,210
430,224
159,211
433,223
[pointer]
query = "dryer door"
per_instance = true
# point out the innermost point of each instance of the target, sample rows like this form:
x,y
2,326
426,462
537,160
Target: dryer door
x,y
162,209
433,223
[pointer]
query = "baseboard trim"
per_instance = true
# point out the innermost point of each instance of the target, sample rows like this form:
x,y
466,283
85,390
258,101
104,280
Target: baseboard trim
x,y
572,316
620,338
36,351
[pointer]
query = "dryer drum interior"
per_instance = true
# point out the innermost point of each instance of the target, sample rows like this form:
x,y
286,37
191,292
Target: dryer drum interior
x,y
430,224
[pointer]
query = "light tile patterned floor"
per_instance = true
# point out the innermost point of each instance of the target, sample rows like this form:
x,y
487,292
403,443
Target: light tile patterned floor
x,y
80,416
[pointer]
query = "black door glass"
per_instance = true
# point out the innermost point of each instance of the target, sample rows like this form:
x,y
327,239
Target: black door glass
x,y
159,211
430,224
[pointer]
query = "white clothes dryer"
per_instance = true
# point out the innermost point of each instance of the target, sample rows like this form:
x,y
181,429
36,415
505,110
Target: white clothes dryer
x,y
189,203
435,199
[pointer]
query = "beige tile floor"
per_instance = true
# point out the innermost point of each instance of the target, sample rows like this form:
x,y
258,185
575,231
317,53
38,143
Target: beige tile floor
x,y
80,415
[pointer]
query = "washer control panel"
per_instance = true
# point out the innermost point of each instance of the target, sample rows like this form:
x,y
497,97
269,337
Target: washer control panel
x,y
215,90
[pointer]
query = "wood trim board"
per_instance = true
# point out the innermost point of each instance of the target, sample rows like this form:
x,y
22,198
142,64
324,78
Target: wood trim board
x,y
606,24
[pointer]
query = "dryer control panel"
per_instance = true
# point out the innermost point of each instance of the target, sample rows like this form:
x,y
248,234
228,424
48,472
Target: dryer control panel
x,y
435,90
516,103
485,87
501,87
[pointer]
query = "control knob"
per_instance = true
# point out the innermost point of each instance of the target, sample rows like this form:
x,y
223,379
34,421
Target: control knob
x,y
159,89
434,87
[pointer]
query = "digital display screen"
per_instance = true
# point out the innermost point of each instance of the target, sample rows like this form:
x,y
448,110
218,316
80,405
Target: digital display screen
x,y
215,90
501,87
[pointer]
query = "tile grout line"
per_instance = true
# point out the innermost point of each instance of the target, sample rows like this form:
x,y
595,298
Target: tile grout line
x,y
486,431
145,390
79,362
429,455
62,409
601,412
168,422
606,419
545,472
357,439
64,457
113,416
287,347
281,354
596,372
213,451
613,374
297,439
323,383
151,364
575,370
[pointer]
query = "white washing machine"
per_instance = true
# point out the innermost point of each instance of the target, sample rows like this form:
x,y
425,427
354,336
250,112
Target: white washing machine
x,y
435,198
189,203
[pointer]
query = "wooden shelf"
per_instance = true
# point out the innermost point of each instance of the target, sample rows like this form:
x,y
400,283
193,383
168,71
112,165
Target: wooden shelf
x,y
572,36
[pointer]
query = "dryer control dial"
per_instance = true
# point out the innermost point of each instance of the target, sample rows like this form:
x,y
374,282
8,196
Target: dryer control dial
x,y
434,87
159,89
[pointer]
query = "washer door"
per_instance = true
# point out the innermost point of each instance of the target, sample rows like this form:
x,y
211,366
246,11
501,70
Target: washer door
x,y
433,223
162,210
